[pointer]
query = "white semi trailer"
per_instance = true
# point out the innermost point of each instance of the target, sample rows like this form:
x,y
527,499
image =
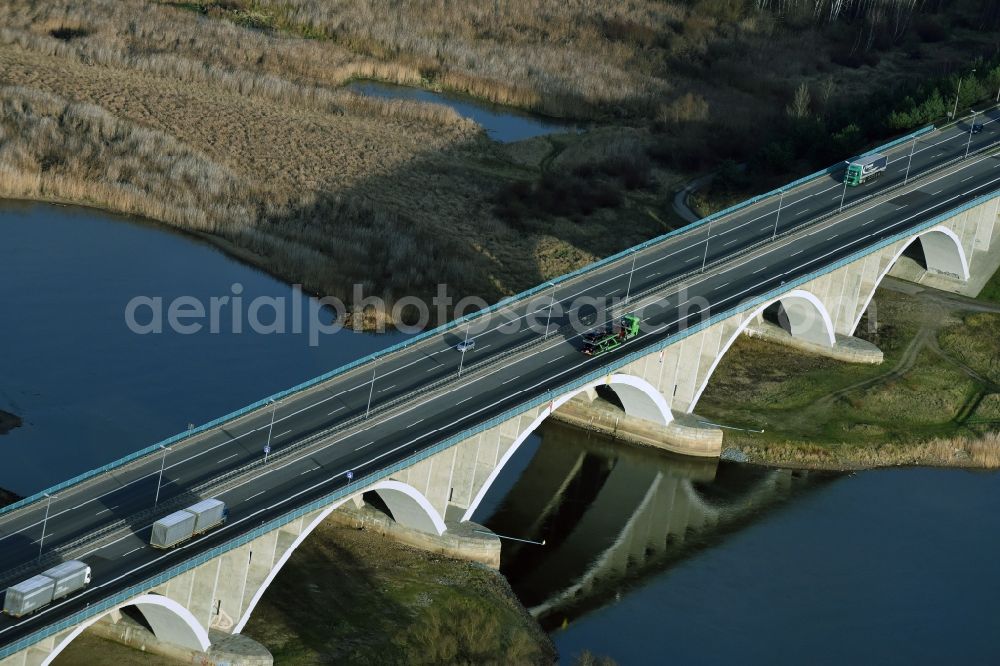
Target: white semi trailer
x,y
50,585
187,523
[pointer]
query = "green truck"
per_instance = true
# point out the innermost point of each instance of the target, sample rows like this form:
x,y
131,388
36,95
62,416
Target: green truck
x,y
864,169
605,339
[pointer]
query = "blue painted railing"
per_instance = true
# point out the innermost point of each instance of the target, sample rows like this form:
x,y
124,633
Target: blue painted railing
x,y
436,331
362,483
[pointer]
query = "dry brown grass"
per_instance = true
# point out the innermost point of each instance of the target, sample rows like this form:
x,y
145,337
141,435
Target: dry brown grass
x,y
980,452
328,188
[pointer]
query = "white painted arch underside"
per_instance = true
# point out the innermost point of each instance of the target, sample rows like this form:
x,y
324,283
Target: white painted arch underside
x,y
170,621
638,397
392,493
799,295
936,243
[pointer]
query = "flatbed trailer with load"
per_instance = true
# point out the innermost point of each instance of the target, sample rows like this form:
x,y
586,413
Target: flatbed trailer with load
x,y
604,340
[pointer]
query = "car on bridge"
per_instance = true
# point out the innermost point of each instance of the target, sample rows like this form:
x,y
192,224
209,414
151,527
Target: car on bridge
x,y
976,128
466,345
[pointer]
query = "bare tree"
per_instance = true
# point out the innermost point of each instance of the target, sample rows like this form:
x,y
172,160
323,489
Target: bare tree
x,y
799,108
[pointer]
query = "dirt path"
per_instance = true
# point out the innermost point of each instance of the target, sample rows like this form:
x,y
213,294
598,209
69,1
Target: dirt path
x,y
936,310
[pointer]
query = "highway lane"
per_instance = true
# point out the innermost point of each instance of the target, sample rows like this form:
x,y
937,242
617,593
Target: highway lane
x,y
236,447
240,441
429,422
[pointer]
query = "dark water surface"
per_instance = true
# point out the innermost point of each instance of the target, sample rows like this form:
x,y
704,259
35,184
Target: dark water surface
x,y
502,123
88,389
652,559
648,558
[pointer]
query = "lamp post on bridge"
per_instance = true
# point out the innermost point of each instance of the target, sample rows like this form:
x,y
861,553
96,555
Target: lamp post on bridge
x,y
972,126
552,304
843,195
270,429
371,390
159,479
465,347
628,290
777,215
704,261
909,161
954,111
45,522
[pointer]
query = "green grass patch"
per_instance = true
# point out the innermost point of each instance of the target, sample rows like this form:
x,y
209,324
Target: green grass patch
x,y
349,596
815,404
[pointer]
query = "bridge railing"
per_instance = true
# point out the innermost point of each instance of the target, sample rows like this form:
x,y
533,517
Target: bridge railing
x,y
361,484
500,305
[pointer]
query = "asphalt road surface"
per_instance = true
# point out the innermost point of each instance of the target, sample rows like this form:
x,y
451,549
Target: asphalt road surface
x,y
440,403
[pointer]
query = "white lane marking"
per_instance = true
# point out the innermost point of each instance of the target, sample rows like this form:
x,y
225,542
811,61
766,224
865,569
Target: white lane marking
x,y
364,445
969,178
509,380
802,212
387,388
282,434
762,268
795,253
553,360
865,224
833,237
415,423
335,411
311,469
651,275
735,240
223,443
132,551
255,495
720,286
688,261
226,458
465,399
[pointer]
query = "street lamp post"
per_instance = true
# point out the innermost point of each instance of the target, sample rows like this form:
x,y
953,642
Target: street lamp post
x,y
371,390
465,345
778,215
909,161
270,428
954,110
972,125
628,290
843,195
45,522
552,304
159,480
704,261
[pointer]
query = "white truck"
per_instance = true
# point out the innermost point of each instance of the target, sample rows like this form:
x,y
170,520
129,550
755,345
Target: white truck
x,y
187,523
50,585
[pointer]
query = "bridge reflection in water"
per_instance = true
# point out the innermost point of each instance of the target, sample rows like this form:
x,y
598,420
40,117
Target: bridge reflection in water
x,y
612,516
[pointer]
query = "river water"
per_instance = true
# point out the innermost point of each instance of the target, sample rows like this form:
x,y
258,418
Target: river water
x,y
90,390
502,123
655,559
648,558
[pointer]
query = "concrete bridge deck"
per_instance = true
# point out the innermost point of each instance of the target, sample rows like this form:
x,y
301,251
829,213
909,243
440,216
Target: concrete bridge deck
x,y
432,441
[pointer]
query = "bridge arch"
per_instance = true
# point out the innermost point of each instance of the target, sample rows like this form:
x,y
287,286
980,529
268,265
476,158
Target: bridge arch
x,y
943,253
408,505
639,398
808,319
170,621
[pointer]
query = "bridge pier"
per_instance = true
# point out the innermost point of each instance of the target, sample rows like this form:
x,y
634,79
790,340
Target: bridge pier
x,y
683,435
846,348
